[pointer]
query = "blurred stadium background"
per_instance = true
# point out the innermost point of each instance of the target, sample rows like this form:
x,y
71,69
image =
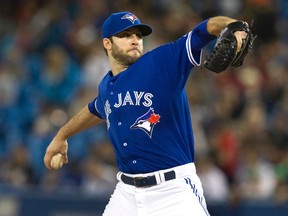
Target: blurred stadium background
x,y
51,61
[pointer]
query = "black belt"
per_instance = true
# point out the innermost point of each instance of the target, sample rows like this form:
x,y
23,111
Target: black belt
x,y
146,181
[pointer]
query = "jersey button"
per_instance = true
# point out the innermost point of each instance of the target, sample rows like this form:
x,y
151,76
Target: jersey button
x,y
111,93
134,161
125,144
119,123
111,83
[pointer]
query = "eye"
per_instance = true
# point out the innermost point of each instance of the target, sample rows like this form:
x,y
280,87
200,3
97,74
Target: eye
x,y
129,34
139,35
126,35
123,35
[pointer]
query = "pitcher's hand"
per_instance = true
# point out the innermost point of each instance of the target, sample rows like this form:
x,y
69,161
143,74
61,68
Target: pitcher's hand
x,y
56,146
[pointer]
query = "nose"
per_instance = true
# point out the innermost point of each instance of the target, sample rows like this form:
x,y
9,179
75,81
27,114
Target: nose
x,y
135,39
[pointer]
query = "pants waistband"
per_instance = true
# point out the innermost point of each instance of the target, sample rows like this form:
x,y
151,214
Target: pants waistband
x,y
158,177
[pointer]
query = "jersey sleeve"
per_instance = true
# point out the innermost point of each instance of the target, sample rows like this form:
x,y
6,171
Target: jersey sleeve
x,y
179,57
93,107
200,36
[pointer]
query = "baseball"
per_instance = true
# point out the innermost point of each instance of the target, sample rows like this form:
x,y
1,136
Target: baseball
x,y
56,161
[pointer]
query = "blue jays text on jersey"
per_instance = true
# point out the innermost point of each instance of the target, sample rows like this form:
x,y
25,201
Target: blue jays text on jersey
x,y
146,108
134,99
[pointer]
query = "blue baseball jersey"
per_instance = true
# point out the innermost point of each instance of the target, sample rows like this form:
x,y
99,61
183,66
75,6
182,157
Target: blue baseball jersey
x,y
146,108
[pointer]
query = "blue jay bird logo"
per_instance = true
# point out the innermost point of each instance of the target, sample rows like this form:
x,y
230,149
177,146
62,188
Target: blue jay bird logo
x,y
147,122
131,17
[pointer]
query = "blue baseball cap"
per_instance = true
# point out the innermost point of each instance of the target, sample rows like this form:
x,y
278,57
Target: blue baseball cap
x,y
118,22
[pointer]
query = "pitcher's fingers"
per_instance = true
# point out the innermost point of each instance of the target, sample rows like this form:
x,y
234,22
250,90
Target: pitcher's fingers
x,y
239,45
65,158
47,160
240,37
48,157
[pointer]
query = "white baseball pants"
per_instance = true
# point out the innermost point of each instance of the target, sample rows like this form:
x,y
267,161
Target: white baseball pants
x,y
182,196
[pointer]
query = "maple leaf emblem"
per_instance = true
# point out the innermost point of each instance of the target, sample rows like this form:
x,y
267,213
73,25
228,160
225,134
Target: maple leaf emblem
x,y
147,122
154,118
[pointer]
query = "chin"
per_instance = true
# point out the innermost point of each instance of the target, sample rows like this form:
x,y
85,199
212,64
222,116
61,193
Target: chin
x,y
133,60
135,55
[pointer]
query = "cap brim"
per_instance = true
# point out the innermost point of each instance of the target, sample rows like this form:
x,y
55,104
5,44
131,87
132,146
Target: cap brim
x,y
145,29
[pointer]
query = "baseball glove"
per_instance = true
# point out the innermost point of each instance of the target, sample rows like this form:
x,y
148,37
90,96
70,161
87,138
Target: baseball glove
x,y
225,53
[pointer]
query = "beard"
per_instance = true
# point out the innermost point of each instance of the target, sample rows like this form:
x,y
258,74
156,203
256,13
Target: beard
x,y
122,57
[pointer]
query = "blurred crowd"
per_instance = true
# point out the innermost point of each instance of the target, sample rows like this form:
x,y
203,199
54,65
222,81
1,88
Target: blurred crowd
x,y
51,62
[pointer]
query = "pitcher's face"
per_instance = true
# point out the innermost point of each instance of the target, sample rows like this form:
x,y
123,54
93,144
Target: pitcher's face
x,y
127,46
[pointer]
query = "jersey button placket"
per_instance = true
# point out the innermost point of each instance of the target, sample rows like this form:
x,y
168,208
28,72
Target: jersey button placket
x,y
124,143
111,83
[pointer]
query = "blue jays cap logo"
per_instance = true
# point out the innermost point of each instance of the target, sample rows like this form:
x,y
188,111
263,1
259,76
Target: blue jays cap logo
x,y
147,122
118,22
129,16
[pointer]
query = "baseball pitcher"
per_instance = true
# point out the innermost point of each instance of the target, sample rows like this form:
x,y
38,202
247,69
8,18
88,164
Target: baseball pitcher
x,y
143,101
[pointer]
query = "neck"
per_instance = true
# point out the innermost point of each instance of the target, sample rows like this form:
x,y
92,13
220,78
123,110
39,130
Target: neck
x,y
117,67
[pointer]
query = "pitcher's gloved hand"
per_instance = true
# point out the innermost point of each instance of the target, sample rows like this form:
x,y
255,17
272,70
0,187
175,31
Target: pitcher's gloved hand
x,y
225,52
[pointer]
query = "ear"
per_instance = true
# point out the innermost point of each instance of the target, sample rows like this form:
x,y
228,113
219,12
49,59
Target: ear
x,y
107,43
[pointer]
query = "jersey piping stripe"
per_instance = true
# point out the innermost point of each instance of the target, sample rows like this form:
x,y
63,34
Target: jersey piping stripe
x,y
189,52
188,181
96,106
